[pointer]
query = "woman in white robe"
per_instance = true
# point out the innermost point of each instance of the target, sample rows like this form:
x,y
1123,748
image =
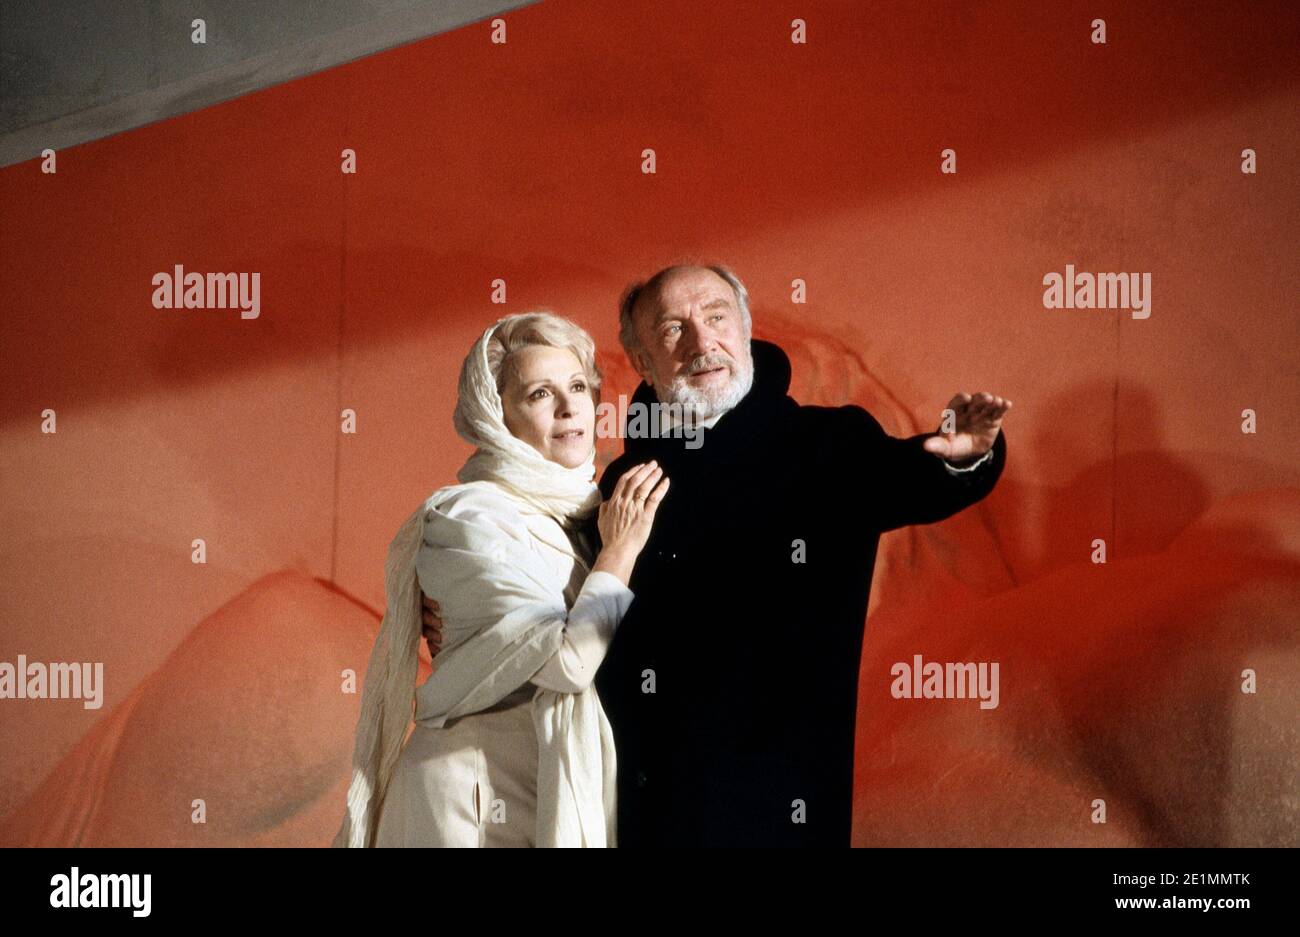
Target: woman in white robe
x,y
511,746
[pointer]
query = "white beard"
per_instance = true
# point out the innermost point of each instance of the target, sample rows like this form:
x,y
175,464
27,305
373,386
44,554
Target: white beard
x,y
703,403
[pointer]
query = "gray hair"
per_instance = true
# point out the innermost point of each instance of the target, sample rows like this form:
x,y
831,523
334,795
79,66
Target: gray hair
x,y
627,334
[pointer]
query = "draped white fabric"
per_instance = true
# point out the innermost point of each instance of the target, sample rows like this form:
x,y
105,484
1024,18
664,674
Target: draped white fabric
x,y
486,571
510,601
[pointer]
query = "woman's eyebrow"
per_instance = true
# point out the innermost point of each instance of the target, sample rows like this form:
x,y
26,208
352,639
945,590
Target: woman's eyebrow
x,y
547,380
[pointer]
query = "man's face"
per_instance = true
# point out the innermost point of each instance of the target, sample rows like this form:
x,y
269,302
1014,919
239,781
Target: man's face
x,y
694,345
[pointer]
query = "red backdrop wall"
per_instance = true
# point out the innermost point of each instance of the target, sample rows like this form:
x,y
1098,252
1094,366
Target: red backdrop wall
x,y
818,161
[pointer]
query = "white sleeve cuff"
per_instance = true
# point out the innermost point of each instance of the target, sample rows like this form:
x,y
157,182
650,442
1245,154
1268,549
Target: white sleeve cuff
x,y
969,468
609,591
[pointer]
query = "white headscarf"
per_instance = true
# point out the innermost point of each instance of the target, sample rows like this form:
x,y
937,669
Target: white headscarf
x,y
502,460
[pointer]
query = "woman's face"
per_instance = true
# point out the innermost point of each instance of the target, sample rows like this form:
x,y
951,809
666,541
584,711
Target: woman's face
x,y
547,402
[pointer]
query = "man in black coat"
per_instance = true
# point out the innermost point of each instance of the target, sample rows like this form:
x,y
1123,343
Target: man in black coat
x,y
731,683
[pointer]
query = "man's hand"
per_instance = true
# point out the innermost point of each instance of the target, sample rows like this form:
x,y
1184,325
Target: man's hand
x,y
979,419
432,628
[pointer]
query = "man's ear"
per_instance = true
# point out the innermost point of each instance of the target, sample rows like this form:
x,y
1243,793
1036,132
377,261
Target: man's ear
x,y
641,361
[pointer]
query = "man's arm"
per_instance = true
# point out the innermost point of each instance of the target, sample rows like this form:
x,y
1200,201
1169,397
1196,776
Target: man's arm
x,y
928,477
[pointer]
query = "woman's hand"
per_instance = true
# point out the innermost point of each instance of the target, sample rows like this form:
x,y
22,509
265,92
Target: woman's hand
x,y
626,517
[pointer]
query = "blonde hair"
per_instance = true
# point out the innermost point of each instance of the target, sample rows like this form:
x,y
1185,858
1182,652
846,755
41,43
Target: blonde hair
x,y
519,331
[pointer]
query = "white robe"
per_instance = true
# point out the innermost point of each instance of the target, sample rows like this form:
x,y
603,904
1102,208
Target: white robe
x,y
511,744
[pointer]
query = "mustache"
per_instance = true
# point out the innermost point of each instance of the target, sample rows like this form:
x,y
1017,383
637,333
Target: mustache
x,y
706,362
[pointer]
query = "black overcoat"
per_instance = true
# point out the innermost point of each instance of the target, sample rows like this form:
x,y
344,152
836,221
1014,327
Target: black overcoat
x,y
731,683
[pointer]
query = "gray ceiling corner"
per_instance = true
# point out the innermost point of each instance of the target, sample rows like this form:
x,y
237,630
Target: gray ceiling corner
x,y
80,70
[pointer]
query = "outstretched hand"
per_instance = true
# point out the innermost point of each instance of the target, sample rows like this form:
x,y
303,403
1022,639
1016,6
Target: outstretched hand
x,y
978,422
